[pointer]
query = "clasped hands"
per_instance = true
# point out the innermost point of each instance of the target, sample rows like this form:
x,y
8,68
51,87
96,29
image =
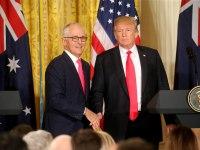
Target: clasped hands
x,y
93,118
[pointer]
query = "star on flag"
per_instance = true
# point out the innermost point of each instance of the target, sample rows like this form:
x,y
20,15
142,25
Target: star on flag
x,y
13,64
27,111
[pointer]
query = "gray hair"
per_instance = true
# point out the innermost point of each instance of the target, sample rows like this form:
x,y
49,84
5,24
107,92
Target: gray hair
x,y
38,140
66,29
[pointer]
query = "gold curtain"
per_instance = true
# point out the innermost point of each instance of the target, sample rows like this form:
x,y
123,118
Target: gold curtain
x,y
45,20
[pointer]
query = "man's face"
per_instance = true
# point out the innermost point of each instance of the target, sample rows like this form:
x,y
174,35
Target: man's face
x,y
125,33
75,41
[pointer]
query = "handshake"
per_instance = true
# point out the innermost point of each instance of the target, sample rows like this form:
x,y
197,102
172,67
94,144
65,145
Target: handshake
x,y
93,118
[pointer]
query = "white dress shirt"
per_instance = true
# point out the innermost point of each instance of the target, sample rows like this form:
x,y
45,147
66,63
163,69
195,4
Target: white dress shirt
x,y
136,61
73,58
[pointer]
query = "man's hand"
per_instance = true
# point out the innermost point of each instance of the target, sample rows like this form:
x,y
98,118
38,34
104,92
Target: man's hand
x,y
93,118
100,115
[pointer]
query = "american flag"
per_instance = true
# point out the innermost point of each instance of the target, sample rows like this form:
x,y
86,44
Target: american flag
x,y
103,38
15,64
187,70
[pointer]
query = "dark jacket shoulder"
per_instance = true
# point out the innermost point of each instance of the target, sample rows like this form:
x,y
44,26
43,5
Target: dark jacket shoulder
x,y
140,47
57,60
146,49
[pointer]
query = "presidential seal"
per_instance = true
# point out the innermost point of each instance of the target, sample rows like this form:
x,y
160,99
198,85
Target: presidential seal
x,y
194,98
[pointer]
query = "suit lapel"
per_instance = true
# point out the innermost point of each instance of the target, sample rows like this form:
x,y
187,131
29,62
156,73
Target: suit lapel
x,y
86,76
143,62
73,69
70,63
119,69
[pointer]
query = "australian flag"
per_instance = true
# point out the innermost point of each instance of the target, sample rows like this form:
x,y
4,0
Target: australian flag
x,y
187,70
15,63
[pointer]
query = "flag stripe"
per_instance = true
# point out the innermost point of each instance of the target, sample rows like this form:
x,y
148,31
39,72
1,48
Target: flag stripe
x,y
184,2
18,1
96,44
18,10
102,35
13,18
2,45
94,54
186,6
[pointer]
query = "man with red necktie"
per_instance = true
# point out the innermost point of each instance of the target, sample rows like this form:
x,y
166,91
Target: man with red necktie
x,y
67,86
127,77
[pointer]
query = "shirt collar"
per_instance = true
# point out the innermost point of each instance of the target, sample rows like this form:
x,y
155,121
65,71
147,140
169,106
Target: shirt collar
x,y
73,58
124,51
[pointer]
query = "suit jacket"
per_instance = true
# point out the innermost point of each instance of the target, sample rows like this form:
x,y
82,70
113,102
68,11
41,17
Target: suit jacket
x,y
109,83
65,99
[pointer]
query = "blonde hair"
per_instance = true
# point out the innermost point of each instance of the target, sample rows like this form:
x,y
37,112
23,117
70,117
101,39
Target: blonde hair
x,y
107,140
127,19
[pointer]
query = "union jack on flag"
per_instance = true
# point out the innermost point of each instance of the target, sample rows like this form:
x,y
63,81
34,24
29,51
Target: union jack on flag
x,y
103,38
15,64
187,70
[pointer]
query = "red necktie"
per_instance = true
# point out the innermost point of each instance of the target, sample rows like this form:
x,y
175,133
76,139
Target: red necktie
x,y
132,89
81,75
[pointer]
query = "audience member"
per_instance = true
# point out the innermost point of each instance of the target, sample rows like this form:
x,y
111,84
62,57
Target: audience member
x,y
12,142
21,130
182,138
134,144
107,140
38,140
61,142
86,140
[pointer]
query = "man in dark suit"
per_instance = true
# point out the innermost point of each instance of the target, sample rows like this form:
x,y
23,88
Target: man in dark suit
x,y
67,86
111,84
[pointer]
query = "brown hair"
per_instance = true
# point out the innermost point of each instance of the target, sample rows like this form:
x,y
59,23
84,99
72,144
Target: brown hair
x,y
21,129
86,139
182,138
134,144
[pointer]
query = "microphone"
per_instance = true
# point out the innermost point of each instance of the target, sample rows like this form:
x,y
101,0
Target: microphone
x,y
192,56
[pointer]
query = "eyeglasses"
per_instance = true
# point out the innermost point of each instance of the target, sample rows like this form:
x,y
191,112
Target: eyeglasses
x,y
76,38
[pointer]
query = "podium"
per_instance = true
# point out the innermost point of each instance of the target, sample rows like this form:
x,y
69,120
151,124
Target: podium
x,y
175,102
10,103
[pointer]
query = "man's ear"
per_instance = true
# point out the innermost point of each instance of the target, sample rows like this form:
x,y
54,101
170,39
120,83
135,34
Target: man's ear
x,y
62,41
